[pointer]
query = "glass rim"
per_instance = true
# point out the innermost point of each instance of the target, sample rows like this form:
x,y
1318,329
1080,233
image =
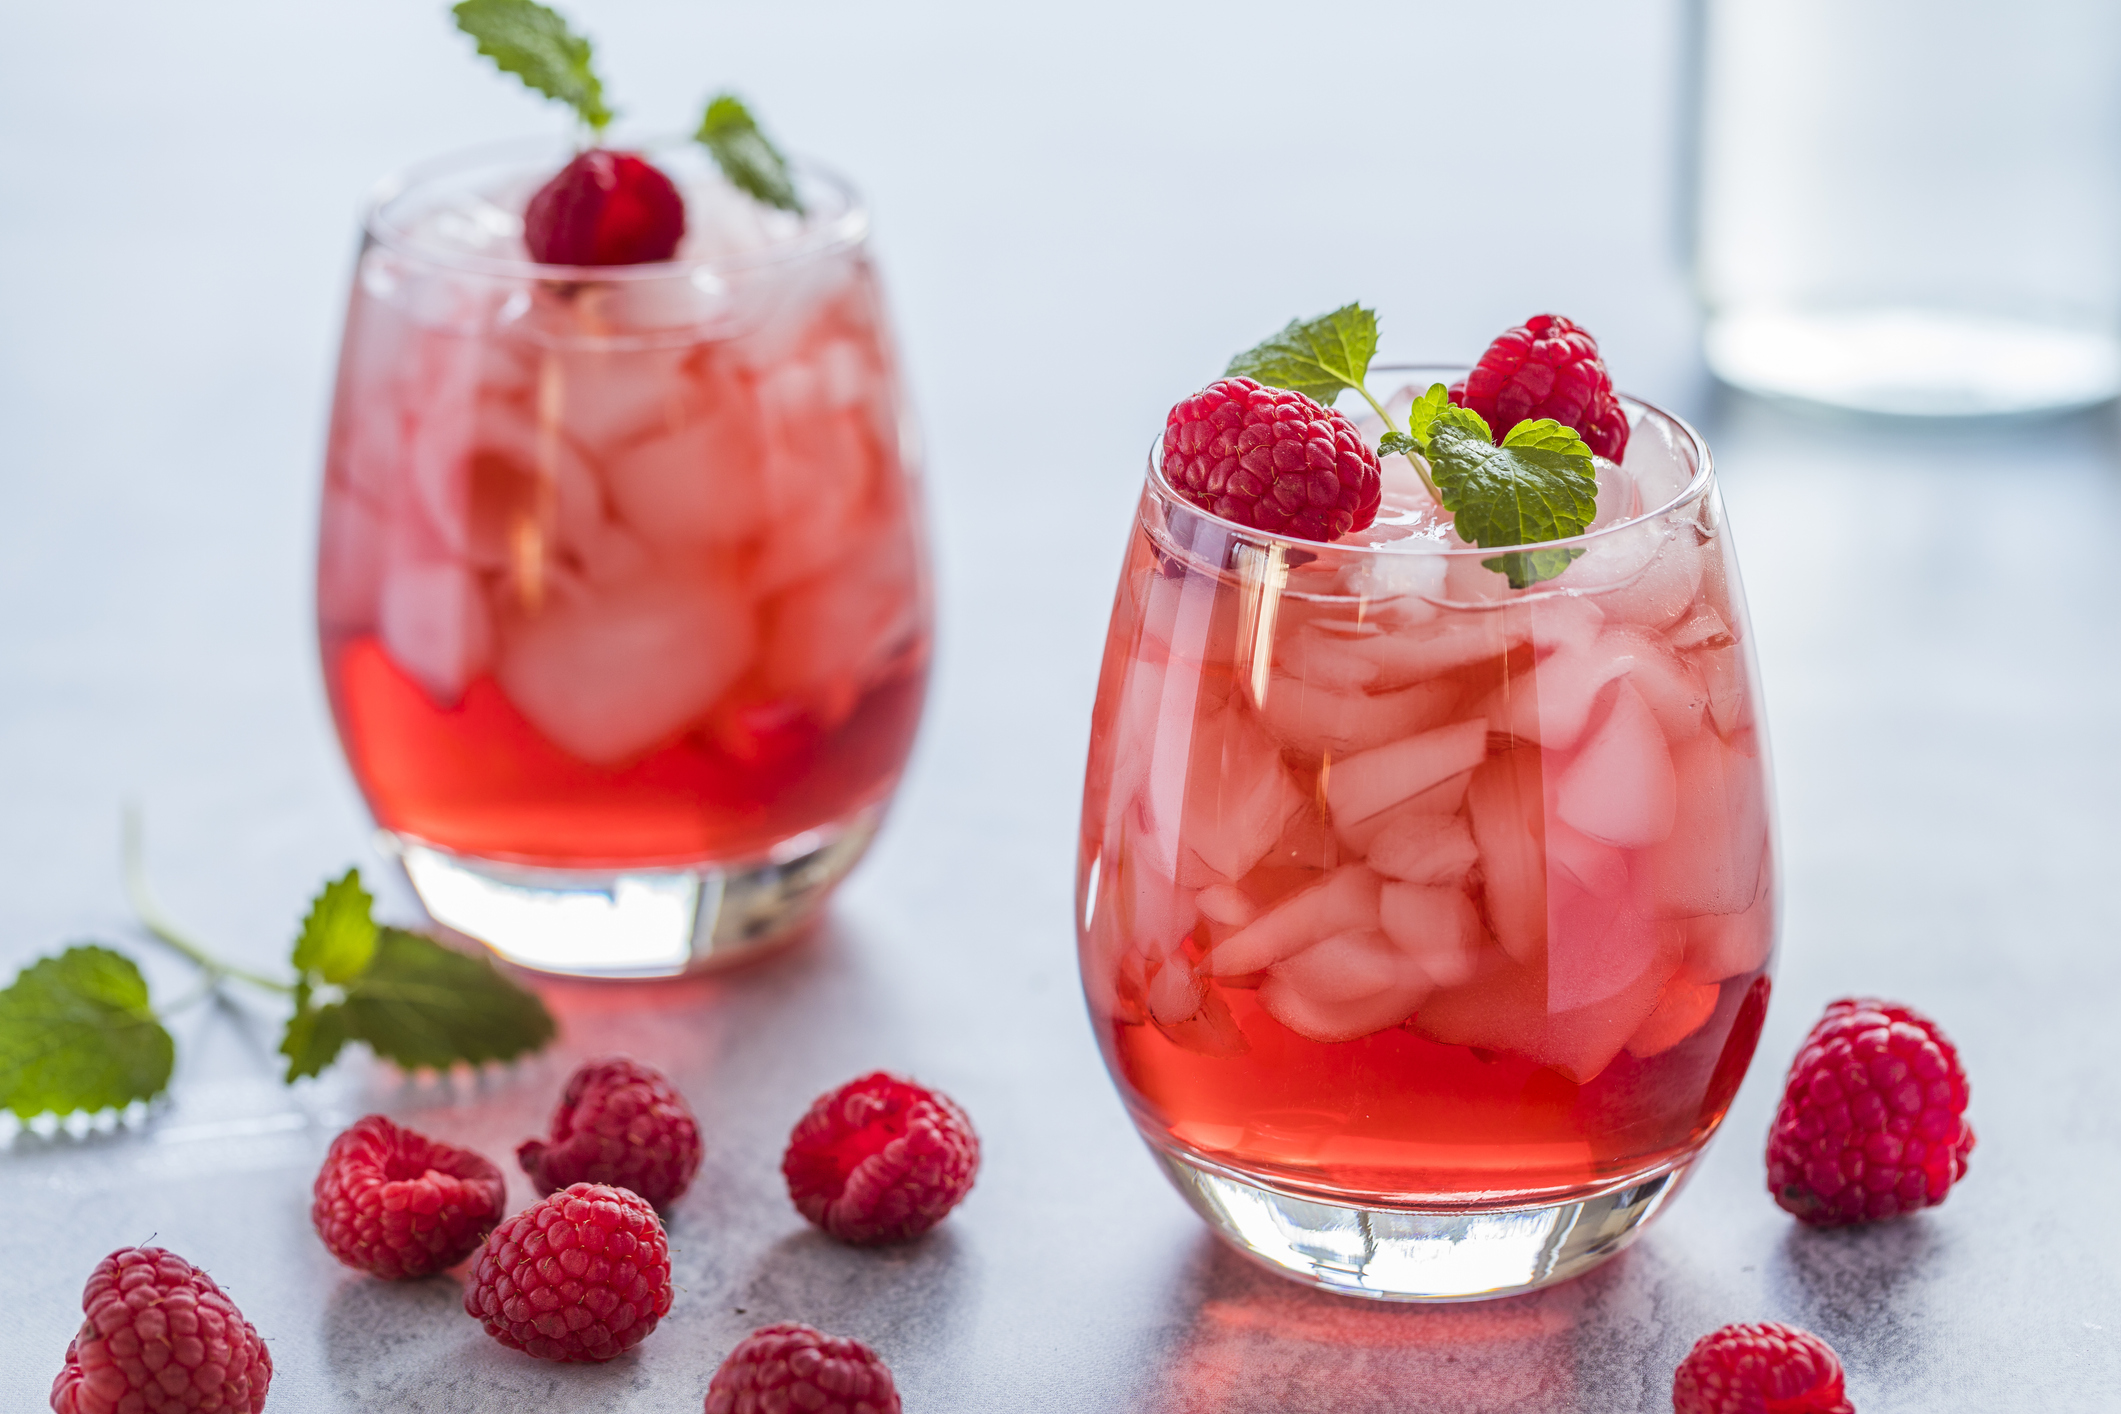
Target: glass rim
x,y
846,228
1696,487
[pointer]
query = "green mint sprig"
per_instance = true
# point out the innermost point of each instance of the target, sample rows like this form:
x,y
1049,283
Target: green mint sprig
x,y
1540,484
745,154
532,42
79,1033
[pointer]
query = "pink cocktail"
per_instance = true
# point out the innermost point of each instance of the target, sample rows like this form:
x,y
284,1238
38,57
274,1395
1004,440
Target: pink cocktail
x,y
1426,922
621,589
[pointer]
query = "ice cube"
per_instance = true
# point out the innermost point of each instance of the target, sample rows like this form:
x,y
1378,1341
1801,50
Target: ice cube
x,y
435,625
828,637
1345,967
1682,1008
1552,704
1621,788
1653,570
1445,798
1600,947
1239,796
1711,862
696,486
1704,628
1227,904
1368,782
1723,675
1508,810
1175,991
1343,901
1425,849
1315,720
614,673
1330,659
1670,687
1720,945
1585,863
1332,1022
1436,927
1453,642
1398,586
1209,1031
439,395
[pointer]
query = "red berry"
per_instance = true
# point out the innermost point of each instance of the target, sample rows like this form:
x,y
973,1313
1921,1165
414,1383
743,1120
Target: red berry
x,y
1873,1118
1547,367
1764,1368
1271,459
880,1160
398,1204
604,208
794,1368
158,1334
582,1275
622,1123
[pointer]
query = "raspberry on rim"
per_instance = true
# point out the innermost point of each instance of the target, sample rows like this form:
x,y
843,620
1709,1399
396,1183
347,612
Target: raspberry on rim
x,y
620,1122
1872,1123
1272,459
605,208
1547,366
880,1159
1760,1368
157,1333
395,1203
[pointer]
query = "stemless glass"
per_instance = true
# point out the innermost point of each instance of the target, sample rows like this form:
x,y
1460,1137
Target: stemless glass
x,y
1427,923
622,597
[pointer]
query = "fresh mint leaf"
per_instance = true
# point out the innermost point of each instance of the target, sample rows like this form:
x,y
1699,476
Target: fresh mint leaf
x,y
1398,443
524,38
77,1033
315,1035
745,154
423,1005
338,937
1315,357
1547,435
1518,494
1427,408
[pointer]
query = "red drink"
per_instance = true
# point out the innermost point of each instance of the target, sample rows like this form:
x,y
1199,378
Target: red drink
x,y
1403,888
621,567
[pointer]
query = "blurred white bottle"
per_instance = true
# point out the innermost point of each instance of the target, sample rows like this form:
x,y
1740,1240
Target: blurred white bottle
x,y
1912,206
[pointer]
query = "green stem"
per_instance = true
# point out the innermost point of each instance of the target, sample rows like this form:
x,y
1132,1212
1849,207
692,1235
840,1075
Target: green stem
x,y
158,925
1419,463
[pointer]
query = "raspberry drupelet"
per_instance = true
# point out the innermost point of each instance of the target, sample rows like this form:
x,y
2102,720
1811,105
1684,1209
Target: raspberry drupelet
x,y
622,1123
795,1368
1873,1119
1760,1368
1547,367
395,1203
880,1160
583,1275
158,1334
1271,459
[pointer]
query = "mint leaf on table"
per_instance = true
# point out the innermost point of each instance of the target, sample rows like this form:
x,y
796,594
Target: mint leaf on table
x,y
745,154
77,1033
524,38
338,938
1539,485
1315,357
315,1034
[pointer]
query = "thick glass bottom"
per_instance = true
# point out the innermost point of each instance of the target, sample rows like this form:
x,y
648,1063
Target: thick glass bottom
x,y
635,922
1455,1253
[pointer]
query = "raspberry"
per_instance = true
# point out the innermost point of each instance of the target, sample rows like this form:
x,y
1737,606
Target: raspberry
x,y
1547,367
604,208
159,1334
880,1160
1271,459
622,1123
794,1368
398,1204
1872,1122
582,1275
1765,1368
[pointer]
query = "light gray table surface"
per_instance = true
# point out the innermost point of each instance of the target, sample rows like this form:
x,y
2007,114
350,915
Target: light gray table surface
x,y
1081,214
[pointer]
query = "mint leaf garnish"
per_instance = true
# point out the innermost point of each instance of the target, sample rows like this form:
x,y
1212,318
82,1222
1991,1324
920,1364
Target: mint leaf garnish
x,y
421,1004
745,154
338,937
1315,357
1427,408
77,1033
315,1035
524,38
1397,442
1530,489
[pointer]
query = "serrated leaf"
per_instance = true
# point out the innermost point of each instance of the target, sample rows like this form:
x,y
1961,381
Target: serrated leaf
x,y
77,1033
1315,357
426,1006
532,42
1397,443
1427,408
315,1035
745,154
338,936
1548,435
1511,495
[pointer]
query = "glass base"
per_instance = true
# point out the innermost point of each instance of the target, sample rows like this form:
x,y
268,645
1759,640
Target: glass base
x,y
1435,1254
1914,362
640,922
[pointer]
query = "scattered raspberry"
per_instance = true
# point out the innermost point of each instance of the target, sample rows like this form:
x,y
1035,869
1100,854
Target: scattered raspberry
x,y
621,1123
1271,459
1547,367
1764,1368
604,208
1872,1122
398,1204
159,1334
582,1275
880,1160
794,1368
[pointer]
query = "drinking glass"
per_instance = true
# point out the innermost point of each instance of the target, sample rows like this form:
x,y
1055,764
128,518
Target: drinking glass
x,y
622,597
1427,923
